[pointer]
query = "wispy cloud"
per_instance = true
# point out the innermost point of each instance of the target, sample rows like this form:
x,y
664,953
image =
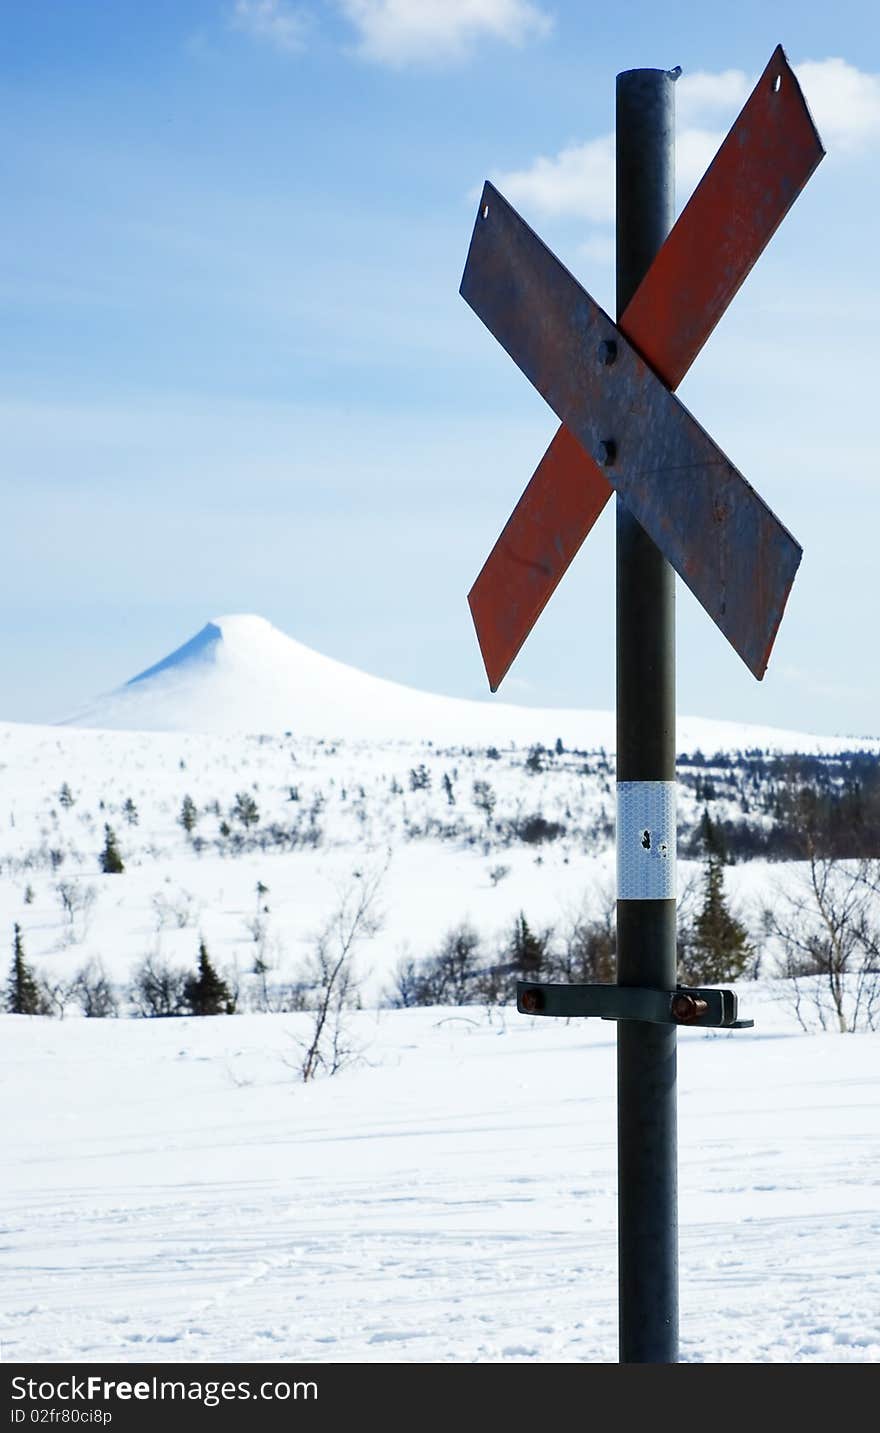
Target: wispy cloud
x,y
284,27
845,103
402,32
704,96
578,182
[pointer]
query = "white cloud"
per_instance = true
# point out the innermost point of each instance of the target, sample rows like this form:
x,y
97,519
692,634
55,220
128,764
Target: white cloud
x,y
397,32
272,21
577,183
703,96
844,102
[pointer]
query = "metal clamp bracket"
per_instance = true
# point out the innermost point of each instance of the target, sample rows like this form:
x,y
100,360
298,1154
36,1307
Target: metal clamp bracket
x,y
682,1006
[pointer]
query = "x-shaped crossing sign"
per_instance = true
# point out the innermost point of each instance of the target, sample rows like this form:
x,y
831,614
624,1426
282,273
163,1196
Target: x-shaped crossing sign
x,y
612,386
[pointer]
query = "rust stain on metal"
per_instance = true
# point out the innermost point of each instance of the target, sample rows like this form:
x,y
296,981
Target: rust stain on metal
x,y
532,1001
761,167
687,1008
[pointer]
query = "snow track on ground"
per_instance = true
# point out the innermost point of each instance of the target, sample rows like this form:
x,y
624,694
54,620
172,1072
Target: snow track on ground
x,y
171,1193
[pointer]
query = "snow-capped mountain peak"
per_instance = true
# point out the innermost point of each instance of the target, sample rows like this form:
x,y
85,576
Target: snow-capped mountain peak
x,y
242,674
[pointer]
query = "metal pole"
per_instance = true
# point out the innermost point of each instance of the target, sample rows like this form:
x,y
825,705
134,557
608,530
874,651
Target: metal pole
x,y
646,956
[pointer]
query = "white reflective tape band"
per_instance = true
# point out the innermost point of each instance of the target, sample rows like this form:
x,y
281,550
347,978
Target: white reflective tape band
x,y
646,840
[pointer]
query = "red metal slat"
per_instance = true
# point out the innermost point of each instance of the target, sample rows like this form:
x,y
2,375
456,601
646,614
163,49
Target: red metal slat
x,y
761,167
769,154
564,498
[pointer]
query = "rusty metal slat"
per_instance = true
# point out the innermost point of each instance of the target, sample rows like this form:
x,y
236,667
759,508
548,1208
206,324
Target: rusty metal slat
x,y
768,156
564,498
719,535
763,164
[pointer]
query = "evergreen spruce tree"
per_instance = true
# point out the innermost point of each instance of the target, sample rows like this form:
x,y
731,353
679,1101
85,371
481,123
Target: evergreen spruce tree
x,y
188,814
712,838
22,995
206,993
527,949
245,809
718,949
111,861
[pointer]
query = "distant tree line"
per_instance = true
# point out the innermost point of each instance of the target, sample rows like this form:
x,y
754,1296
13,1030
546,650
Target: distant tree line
x,y
157,989
793,807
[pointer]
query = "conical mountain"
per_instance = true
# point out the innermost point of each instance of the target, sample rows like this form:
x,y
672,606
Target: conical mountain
x,y
241,674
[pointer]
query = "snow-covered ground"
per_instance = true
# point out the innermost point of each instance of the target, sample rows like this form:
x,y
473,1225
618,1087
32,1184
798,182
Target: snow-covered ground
x,y
170,1192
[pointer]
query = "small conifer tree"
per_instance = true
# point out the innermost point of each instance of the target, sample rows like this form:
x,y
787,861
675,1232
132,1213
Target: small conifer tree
x,y
22,993
484,799
206,993
711,836
718,948
245,809
527,949
111,861
188,814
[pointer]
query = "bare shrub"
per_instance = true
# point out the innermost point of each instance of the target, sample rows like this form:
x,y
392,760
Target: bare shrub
x,y
827,932
77,902
158,989
179,910
94,993
55,995
586,949
329,982
406,986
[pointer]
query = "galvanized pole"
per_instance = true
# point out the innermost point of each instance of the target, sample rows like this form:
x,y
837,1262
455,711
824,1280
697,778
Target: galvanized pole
x,y
646,955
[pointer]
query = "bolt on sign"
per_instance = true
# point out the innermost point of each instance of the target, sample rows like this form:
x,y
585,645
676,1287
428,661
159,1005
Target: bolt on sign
x,y
682,504
612,388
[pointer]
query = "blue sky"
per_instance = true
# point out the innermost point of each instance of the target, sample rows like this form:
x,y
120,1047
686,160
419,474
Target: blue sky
x,y
236,374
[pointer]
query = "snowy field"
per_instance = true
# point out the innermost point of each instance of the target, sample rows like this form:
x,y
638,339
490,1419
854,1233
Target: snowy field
x,y
170,1192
